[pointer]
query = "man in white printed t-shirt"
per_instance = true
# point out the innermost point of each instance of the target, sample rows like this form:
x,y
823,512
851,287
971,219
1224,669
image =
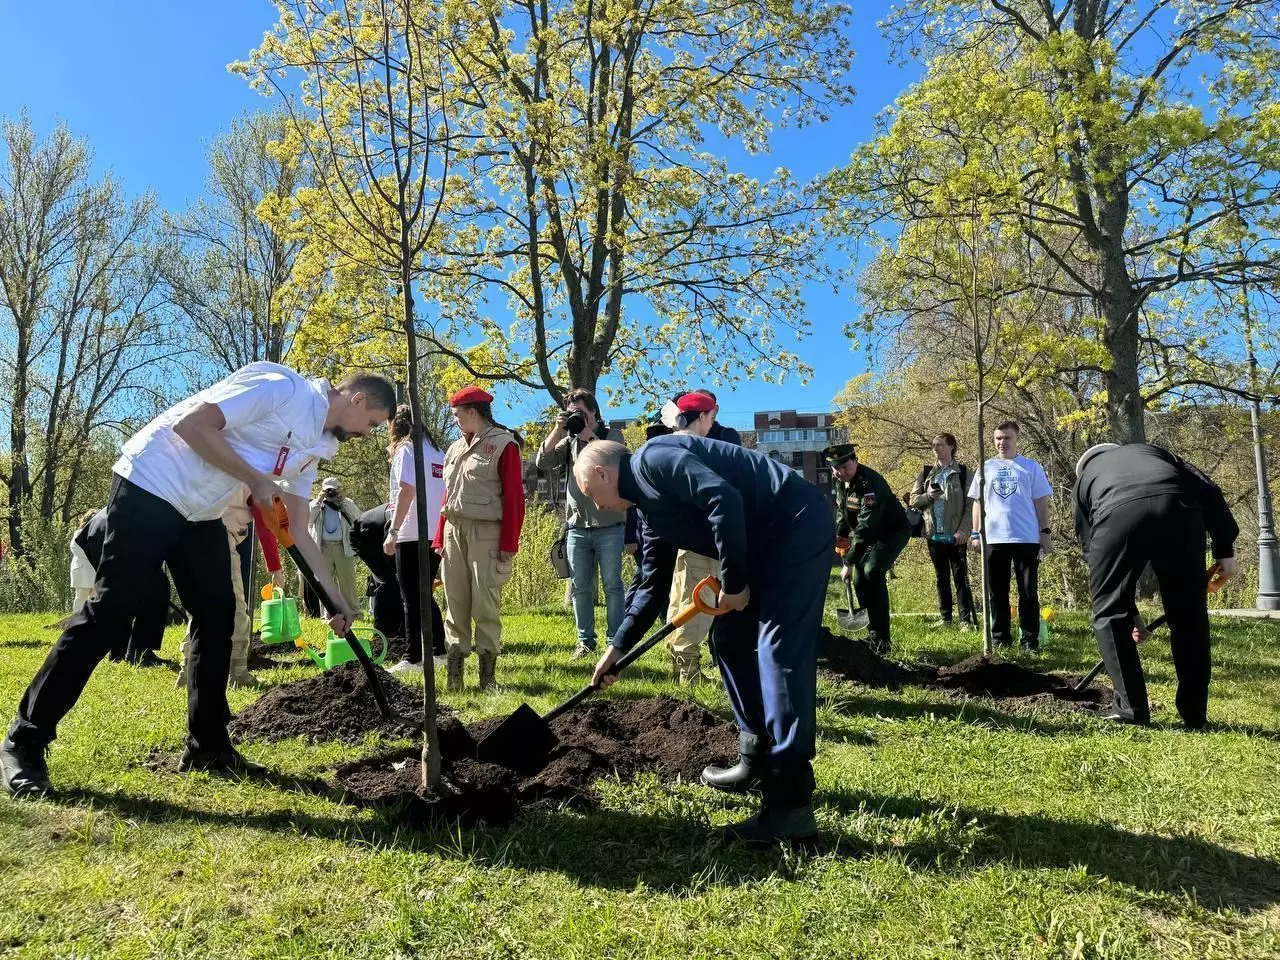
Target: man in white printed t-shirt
x,y
264,428
1016,536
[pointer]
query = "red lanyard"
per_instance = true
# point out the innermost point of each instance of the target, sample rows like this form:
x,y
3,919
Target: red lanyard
x,y
282,456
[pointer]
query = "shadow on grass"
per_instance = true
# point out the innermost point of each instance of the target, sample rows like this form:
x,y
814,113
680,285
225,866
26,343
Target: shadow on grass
x,y
1211,875
972,710
27,644
680,855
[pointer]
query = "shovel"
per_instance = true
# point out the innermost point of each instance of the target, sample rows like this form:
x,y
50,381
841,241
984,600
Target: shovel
x,y
852,619
523,739
1211,585
278,521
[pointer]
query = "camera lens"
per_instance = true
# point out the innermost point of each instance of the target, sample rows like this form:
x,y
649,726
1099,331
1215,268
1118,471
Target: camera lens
x,y
576,423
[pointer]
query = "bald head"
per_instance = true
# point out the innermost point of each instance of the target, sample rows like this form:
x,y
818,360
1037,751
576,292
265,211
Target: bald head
x,y
595,471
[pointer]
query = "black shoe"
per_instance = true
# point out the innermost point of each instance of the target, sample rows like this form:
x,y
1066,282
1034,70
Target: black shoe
x,y
147,658
747,774
774,824
23,770
1003,644
880,646
227,762
1030,647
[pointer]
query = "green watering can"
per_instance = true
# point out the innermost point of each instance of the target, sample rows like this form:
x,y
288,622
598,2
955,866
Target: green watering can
x,y
279,617
338,651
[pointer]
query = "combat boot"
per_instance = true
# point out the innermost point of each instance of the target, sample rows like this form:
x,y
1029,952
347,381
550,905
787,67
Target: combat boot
x,y
747,774
686,669
487,664
453,664
774,824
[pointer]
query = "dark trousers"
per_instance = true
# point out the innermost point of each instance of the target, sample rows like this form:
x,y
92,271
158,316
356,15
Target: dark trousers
x,y
385,602
147,630
1021,560
1169,535
407,569
768,653
950,562
143,533
871,566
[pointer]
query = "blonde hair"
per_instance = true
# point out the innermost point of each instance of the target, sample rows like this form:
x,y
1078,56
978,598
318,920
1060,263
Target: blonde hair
x,y
598,453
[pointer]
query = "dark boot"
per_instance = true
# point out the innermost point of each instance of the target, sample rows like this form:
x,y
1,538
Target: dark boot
x,y
747,774
453,671
227,762
486,664
774,824
23,770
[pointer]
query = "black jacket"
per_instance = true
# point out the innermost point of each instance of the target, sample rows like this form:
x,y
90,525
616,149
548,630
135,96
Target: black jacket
x,y
1141,471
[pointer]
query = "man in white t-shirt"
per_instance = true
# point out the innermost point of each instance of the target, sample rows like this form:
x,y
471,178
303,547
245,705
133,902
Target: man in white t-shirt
x,y
1016,534
264,428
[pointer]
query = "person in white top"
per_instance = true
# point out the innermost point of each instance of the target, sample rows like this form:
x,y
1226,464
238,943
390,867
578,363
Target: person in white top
x,y
332,517
264,428
402,533
1016,535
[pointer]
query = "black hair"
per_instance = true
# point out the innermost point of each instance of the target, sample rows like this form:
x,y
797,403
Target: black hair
x,y
402,428
1008,425
379,391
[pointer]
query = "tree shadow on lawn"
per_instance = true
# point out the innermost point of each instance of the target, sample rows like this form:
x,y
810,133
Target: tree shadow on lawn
x,y
681,855
974,711
1213,876
28,644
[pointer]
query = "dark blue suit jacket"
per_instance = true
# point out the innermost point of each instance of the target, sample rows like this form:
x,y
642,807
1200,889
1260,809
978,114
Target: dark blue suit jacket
x,y
710,497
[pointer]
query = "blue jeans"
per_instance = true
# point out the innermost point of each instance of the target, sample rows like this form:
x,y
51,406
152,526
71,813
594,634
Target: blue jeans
x,y
589,546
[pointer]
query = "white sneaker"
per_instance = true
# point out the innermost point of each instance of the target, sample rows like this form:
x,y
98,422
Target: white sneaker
x,y
404,666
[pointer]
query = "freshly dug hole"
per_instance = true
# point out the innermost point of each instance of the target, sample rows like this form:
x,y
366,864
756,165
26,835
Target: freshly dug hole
x,y
669,736
336,704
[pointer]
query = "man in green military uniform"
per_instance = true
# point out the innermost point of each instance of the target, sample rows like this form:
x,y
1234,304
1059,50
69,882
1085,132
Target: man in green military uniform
x,y
871,530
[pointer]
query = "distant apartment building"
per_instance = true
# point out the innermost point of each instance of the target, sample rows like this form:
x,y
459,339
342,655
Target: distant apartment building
x,y
797,439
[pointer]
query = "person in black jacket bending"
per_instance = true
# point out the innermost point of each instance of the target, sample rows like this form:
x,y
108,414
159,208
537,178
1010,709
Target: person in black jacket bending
x,y
1135,505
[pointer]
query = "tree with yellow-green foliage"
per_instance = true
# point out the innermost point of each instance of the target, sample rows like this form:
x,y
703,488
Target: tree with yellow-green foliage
x,y
1132,145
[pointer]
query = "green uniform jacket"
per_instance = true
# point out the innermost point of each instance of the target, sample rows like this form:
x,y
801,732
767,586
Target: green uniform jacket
x,y
872,518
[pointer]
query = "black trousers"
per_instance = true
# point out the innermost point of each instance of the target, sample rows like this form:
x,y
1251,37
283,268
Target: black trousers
x,y
407,574
143,533
1021,560
147,630
950,562
871,565
383,591
1169,534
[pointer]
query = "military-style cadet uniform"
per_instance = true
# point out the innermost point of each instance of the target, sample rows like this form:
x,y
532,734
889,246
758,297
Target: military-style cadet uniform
x,y
872,521
771,531
1135,505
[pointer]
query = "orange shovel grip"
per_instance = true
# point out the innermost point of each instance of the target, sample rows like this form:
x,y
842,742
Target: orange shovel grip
x,y
277,519
1212,583
699,604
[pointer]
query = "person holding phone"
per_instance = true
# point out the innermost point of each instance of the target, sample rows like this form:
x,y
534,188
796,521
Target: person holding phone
x,y
939,495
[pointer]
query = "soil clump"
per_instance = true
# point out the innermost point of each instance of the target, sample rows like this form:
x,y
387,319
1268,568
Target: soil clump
x,y
669,736
336,704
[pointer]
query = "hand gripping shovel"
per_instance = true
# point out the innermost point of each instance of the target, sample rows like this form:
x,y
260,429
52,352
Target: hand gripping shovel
x,y
278,521
1212,585
523,740
852,619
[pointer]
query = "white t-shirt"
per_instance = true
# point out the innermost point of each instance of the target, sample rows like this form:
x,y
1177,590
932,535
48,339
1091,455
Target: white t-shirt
x,y
402,472
1013,486
274,421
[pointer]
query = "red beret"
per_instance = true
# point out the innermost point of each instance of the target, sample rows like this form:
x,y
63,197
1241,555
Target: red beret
x,y
471,394
695,403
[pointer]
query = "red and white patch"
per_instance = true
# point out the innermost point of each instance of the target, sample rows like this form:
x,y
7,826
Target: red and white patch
x,y
489,448
869,499
437,471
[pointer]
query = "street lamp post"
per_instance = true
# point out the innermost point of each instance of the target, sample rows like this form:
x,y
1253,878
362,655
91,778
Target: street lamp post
x,y
1268,546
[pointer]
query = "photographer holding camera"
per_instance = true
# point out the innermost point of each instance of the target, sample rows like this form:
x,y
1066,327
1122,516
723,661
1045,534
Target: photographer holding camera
x,y
594,537
332,517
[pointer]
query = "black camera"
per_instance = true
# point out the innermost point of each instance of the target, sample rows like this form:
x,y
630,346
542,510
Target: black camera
x,y
575,423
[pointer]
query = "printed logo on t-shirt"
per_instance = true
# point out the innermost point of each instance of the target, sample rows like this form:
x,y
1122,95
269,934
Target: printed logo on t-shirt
x,y
437,471
1005,483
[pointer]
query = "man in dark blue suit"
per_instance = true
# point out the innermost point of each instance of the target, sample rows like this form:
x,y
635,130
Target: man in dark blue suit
x,y
773,535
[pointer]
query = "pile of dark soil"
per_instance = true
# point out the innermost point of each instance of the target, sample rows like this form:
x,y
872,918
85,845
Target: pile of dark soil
x,y
1011,685
263,656
335,705
1015,686
669,736
845,659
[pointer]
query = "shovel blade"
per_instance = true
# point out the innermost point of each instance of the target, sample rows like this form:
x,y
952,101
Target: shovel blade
x,y
853,619
521,742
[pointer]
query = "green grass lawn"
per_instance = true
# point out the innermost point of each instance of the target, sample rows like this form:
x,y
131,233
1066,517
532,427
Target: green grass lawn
x,y
949,830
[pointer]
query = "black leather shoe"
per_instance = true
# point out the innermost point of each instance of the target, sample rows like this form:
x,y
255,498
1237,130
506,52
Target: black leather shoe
x,y
774,824
146,658
747,774
23,771
227,763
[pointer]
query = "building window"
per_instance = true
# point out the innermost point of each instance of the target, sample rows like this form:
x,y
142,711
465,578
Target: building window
x,y
797,459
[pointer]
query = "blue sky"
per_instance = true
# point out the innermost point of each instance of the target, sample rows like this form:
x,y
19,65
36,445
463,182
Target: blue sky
x,y
145,82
